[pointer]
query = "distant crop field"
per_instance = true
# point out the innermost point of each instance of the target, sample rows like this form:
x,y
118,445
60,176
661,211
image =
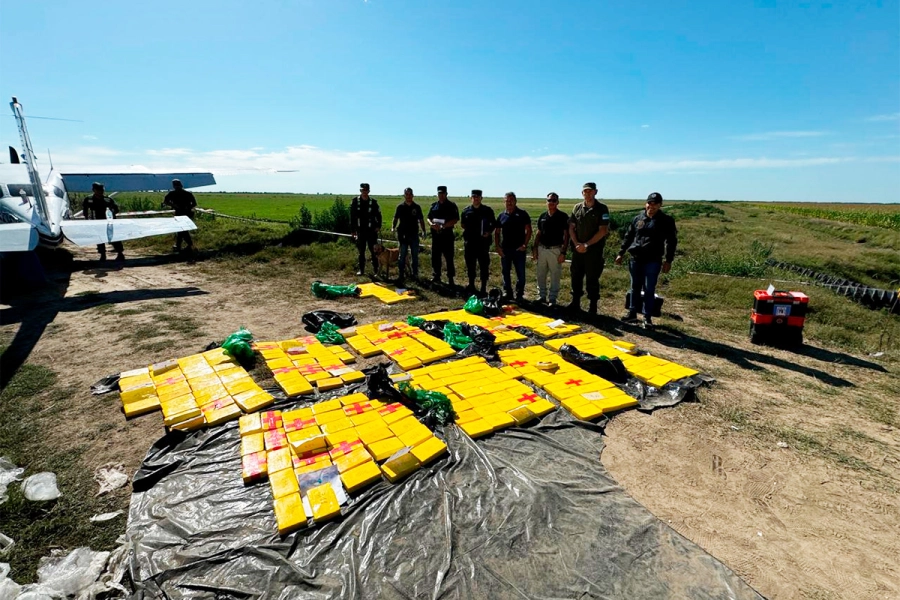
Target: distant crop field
x,y
872,215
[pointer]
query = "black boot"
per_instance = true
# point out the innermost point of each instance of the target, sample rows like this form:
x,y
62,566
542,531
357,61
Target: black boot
x,y
575,304
592,309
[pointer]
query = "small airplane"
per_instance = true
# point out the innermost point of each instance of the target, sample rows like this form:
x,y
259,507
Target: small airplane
x,y
32,212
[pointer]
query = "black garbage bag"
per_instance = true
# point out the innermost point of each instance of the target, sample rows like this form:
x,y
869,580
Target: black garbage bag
x,y
380,387
435,328
314,319
610,369
482,342
110,383
493,304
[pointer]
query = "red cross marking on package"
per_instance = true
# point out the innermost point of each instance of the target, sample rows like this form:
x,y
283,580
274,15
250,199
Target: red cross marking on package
x,y
221,403
357,408
274,439
333,367
270,420
283,370
310,369
379,341
255,462
396,335
398,352
575,382
344,448
390,408
414,331
296,424
518,363
528,398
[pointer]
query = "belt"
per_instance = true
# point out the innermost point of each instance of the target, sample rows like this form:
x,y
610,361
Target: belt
x,y
551,247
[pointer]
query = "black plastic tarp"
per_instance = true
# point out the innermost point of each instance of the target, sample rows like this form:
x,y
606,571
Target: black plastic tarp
x,y
525,513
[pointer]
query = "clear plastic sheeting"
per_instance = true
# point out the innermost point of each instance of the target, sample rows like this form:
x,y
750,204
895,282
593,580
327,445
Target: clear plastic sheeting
x,y
9,473
526,513
110,477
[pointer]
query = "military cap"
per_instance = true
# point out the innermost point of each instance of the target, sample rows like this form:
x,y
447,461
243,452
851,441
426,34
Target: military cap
x,y
553,196
407,191
364,186
96,186
176,182
590,185
442,188
477,193
655,197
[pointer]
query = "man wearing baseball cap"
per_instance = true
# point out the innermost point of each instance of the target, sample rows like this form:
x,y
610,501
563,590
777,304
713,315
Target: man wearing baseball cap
x,y
442,216
478,223
651,240
588,228
365,224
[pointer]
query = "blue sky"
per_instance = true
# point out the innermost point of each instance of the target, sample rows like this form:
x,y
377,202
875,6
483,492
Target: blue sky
x,y
694,99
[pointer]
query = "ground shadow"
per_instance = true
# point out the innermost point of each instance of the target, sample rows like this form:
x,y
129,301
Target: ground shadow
x,y
35,310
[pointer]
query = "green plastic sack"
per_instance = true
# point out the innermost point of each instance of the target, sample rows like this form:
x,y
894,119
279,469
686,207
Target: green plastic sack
x,y
474,305
434,403
415,321
453,335
323,290
237,345
328,334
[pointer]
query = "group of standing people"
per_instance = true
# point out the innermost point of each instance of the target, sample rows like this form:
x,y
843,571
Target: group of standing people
x,y
651,239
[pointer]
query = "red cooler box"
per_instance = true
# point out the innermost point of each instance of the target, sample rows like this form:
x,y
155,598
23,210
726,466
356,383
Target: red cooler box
x,y
778,317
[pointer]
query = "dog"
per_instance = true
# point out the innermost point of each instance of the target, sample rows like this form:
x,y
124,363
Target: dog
x,y
386,257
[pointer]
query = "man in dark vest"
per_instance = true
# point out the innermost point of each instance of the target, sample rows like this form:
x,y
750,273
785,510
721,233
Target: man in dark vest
x,y
442,216
407,220
95,207
478,224
365,223
651,240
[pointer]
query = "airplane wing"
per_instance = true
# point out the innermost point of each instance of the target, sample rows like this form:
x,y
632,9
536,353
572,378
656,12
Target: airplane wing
x,y
88,232
17,237
134,182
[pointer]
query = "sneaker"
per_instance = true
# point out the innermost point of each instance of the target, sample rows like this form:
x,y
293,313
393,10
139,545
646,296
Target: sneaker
x,y
542,301
520,298
648,323
629,317
176,249
360,273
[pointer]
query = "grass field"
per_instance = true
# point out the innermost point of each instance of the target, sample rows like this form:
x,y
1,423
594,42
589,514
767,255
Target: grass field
x,y
720,261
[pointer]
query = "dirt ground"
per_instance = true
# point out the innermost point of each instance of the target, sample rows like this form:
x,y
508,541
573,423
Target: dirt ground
x,y
778,469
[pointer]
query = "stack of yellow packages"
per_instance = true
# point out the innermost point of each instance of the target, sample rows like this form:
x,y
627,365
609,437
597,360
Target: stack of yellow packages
x,y
194,391
383,293
656,371
650,369
541,325
485,399
503,334
298,363
351,434
584,395
408,346
595,344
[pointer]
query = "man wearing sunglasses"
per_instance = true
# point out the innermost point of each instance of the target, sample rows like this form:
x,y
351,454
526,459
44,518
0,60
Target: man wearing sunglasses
x,y
651,240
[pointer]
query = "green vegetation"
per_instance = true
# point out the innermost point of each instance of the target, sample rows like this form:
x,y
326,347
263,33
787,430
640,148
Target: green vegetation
x,y
874,218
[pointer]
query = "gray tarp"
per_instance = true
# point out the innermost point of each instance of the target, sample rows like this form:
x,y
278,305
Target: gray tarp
x,y
524,513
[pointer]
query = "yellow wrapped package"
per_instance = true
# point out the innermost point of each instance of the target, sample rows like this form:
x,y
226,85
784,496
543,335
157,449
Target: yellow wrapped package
x,y
323,502
361,476
289,513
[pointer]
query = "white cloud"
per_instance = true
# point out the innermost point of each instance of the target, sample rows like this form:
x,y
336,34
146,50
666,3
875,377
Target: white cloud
x,y
778,135
89,137
891,117
313,161
645,126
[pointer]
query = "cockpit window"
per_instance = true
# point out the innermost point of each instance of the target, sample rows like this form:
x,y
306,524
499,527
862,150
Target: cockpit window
x,y
58,192
15,189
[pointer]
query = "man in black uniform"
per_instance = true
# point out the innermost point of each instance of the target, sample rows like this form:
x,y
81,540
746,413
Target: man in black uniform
x,y
588,228
407,219
478,224
442,217
649,234
549,251
184,204
365,223
94,207
515,226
